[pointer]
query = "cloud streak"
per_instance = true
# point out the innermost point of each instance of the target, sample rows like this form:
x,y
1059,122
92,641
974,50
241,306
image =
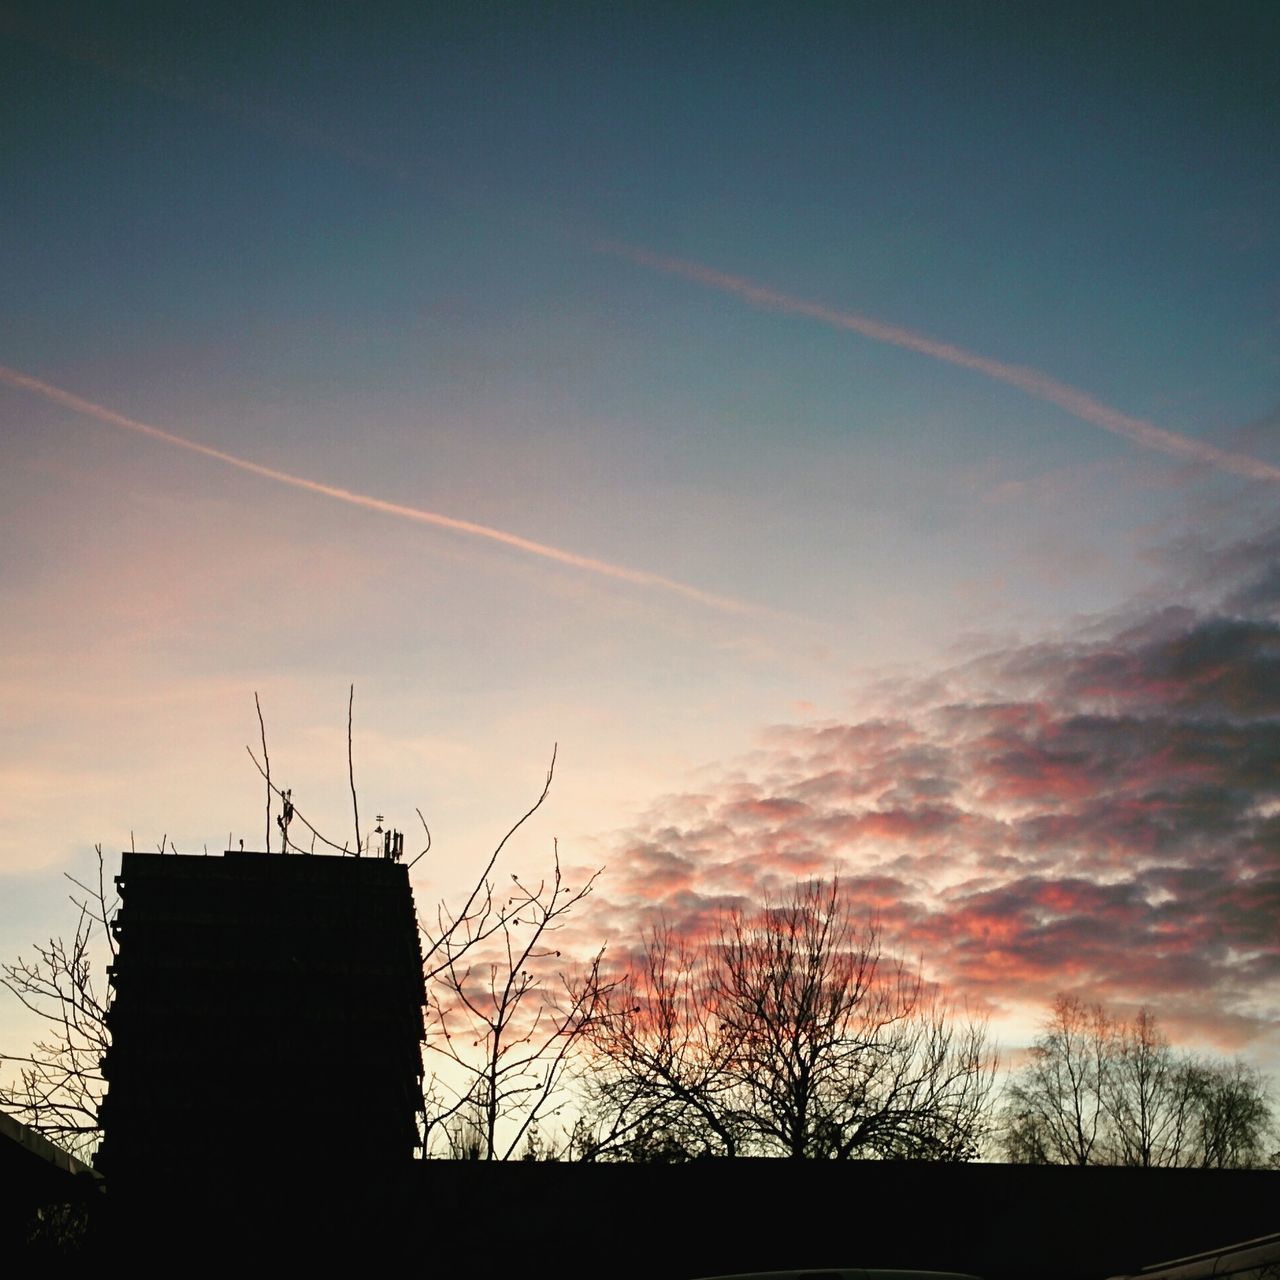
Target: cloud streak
x,y
622,573
1034,382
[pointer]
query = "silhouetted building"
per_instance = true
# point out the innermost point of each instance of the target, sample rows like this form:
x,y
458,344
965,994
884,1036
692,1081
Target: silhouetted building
x,y
267,1020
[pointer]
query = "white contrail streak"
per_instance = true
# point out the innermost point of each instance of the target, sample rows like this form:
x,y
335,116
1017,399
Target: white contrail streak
x,y
1077,403
640,577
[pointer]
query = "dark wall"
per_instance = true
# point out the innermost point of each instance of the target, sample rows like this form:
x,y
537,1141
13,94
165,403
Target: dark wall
x,y
463,1219
997,1221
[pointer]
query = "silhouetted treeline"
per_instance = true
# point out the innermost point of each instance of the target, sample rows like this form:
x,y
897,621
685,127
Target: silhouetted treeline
x,y
1100,1090
786,1031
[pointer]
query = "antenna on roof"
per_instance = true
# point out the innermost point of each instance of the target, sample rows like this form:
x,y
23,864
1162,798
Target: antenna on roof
x,y
284,817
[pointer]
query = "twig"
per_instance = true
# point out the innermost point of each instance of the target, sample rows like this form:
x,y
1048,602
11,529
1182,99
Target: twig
x,y
351,768
425,828
483,881
262,729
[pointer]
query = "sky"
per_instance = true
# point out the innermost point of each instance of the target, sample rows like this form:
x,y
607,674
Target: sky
x,y
848,435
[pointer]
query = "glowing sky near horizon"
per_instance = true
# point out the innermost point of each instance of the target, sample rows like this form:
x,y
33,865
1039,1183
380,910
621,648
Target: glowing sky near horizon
x,y
896,492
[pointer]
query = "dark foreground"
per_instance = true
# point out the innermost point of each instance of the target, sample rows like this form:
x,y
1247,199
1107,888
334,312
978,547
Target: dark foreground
x,y
573,1220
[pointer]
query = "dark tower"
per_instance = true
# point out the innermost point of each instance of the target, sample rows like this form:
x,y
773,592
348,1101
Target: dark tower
x,y
267,1021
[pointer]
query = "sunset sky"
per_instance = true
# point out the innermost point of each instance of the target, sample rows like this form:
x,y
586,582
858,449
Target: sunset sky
x,y
851,432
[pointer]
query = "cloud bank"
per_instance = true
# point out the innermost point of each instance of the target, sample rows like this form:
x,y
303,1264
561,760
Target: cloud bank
x,y
1099,815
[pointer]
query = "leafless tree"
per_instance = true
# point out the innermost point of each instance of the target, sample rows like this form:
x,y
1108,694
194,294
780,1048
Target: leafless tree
x,y
1099,1090
1053,1111
1149,1097
658,1085
59,1080
787,1033
504,1020
1235,1126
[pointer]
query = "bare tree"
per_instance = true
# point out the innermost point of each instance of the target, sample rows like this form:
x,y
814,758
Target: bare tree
x,y
1149,1097
1054,1111
657,1086
1099,1090
502,1015
59,1081
789,1033
1233,1124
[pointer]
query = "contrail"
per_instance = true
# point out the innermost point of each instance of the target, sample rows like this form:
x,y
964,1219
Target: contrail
x,y
1035,383
640,577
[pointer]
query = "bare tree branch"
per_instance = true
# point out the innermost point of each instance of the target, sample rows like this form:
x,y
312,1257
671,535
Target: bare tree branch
x,y
59,1081
448,923
262,729
788,1033
351,767
427,829
504,1034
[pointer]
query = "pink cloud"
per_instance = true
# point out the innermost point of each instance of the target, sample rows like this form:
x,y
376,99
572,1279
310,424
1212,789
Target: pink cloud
x,y
1102,816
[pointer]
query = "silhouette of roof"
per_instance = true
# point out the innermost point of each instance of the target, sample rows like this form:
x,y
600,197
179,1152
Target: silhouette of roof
x,y
27,1155
1246,1259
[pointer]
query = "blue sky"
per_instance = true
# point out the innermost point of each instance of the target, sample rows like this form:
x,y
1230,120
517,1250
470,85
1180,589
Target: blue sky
x,y
366,249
